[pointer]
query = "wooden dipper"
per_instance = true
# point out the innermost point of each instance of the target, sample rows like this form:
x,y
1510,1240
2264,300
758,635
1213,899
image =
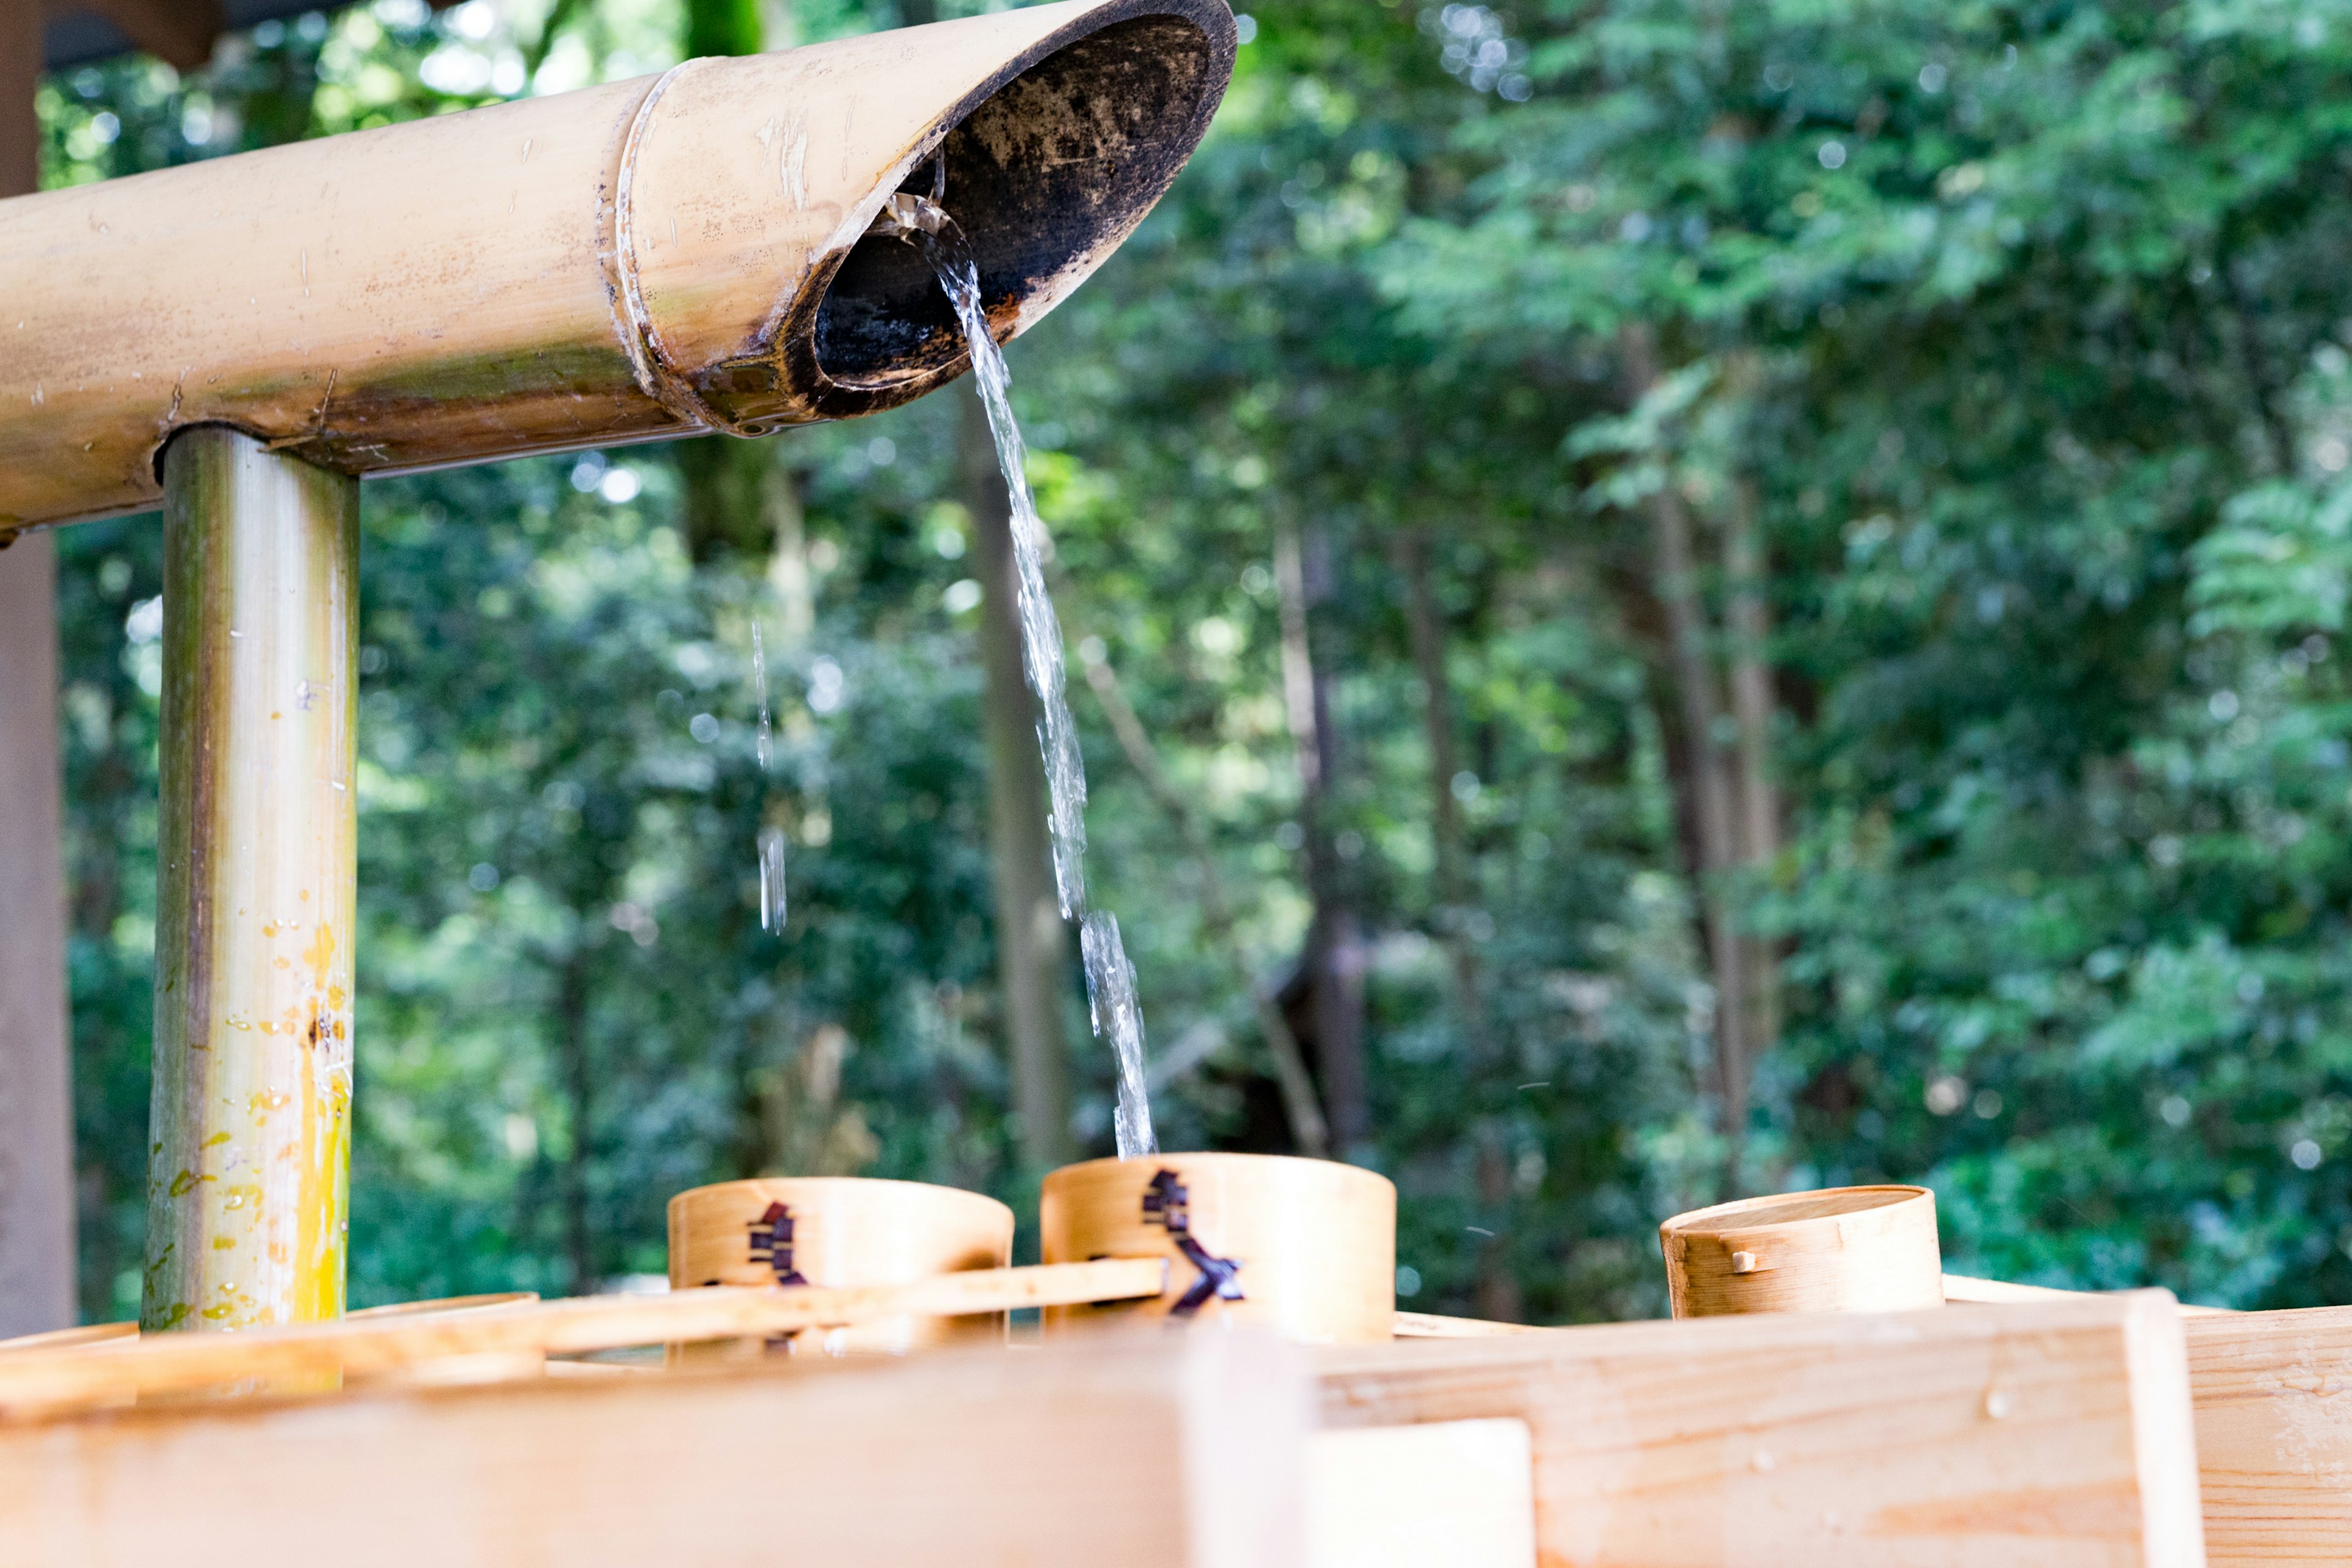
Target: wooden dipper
x,y
1843,1250
839,1230
1304,1247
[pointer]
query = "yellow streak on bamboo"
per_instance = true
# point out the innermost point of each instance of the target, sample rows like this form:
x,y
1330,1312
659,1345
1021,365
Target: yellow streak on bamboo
x,y
43,1385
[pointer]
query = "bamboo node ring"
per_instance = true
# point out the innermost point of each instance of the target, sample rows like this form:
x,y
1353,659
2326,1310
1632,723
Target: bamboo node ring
x,y
639,337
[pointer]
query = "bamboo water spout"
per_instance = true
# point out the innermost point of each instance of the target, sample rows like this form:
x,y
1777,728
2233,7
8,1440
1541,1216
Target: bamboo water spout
x,y
632,262
635,262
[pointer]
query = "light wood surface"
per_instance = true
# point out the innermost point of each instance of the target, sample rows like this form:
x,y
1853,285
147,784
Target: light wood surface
x,y
105,1395
1442,1494
1170,1451
846,1230
256,892
2274,1434
1966,1290
1428,1326
490,1366
70,1338
438,1304
37,1385
2038,1436
1843,1249
1315,1239
635,260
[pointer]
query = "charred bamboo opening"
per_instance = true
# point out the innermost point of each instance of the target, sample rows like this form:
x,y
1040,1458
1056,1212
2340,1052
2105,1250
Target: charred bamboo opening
x,y
1045,176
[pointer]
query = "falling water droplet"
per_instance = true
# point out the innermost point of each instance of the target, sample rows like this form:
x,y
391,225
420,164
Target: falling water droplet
x,y
764,745
772,880
771,839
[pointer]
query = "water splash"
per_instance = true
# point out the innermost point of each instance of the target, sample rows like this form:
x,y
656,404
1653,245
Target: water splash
x,y
1117,1015
771,839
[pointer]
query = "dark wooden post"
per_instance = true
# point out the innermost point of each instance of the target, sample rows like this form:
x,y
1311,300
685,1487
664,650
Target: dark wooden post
x,y
37,1190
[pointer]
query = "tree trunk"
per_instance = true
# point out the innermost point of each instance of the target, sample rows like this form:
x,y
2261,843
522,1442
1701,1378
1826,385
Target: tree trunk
x,y
1333,968
1032,941
719,482
1309,1130
1706,783
579,1088
789,577
1499,1285
1753,706
1426,627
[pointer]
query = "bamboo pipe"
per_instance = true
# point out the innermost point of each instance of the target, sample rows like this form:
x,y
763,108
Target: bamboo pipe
x,y
258,889
838,1231
632,261
1306,1247
1843,1249
44,1383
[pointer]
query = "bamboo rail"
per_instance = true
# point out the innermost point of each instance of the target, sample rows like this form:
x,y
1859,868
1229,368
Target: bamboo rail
x,y
632,262
45,1383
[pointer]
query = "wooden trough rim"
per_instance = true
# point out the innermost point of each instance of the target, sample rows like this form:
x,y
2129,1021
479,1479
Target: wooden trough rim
x,y
47,1376
44,1383
1795,1209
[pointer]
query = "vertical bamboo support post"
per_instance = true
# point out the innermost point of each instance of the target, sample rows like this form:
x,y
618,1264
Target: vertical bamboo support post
x,y
248,1167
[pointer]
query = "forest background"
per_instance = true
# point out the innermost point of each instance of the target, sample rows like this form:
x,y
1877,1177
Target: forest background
x,y
1675,599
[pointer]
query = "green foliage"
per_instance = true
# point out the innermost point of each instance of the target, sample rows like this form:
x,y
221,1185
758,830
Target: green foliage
x,y
2020,328
2042,304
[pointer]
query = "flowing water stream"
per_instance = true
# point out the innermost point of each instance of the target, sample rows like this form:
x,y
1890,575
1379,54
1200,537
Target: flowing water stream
x,y
771,839
1110,978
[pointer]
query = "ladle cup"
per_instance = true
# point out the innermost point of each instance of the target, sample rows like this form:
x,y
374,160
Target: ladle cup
x,y
1304,1247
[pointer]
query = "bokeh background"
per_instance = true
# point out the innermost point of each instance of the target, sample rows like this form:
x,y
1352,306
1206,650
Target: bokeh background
x,y
1677,598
